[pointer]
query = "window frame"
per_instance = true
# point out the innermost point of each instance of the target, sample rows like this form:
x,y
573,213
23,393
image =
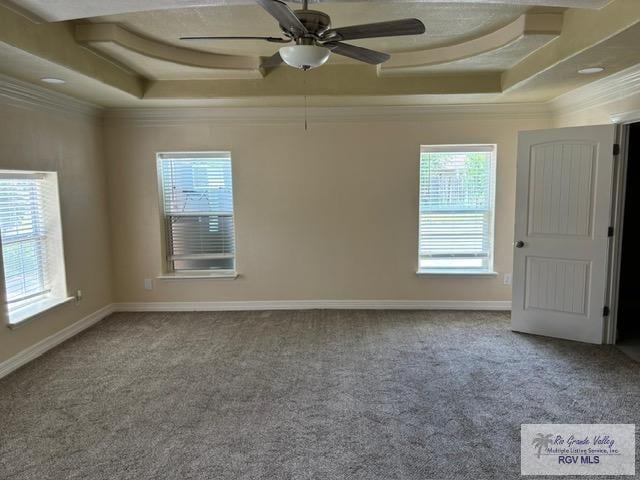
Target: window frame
x,y
168,271
57,293
485,271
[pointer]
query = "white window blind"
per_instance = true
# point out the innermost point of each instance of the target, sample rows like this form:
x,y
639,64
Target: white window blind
x,y
456,208
197,199
31,239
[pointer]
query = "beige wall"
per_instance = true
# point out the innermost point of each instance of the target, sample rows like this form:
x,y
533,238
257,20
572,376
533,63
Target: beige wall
x,y
327,214
73,146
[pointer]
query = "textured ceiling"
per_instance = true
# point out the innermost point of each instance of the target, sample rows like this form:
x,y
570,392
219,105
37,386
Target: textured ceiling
x,y
445,24
496,61
56,10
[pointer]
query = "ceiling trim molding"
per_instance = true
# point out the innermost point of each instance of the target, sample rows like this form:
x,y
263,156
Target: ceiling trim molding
x,y
286,115
601,92
330,80
547,25
26,13
97,33
19,93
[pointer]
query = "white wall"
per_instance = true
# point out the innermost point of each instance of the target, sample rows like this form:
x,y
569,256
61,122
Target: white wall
x,y
72,145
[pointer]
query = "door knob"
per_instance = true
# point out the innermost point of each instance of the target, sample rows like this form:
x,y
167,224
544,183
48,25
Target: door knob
x,y
519,244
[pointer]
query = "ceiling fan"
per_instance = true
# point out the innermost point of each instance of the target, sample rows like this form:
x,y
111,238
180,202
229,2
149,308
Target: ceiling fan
x,y
315,40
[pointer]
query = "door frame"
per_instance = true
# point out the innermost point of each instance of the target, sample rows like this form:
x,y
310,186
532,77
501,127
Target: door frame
x,y
621,161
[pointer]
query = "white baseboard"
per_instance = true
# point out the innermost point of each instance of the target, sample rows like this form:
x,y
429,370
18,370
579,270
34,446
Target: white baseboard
x,y
57,338
312,305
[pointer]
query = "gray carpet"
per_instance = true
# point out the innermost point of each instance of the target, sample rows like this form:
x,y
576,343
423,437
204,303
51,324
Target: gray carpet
x,y
301,395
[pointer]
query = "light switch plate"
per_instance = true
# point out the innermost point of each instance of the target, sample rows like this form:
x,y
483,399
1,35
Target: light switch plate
x,y
148,284
507,279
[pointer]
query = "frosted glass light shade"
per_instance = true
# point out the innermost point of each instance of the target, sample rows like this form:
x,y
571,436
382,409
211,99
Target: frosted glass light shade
x,y
305,56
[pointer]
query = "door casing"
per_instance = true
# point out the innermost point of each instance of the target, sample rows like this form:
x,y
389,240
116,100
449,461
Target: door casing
x,y
623,121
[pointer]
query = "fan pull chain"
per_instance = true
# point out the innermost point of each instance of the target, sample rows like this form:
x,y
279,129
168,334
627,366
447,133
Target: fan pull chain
x,y
306,114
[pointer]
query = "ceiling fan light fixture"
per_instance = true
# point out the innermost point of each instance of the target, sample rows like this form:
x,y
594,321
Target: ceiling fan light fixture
x,y
305,57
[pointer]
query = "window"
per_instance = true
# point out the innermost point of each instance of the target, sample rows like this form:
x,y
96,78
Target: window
x,y
197,201
456,209
31,241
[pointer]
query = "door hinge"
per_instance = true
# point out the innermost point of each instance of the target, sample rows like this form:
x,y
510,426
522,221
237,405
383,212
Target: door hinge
x,y
616,149
605,311
610,232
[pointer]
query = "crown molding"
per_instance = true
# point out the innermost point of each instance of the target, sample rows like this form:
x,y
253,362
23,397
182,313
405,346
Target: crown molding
x,y
19,93
610,89
280,115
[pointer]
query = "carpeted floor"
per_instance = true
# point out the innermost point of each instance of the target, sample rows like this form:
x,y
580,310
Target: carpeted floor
x,y
301,395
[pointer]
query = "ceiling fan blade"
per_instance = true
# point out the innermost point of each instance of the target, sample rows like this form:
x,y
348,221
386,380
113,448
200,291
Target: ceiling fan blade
x,y
271,62
268,39
394,28
284,15
358,53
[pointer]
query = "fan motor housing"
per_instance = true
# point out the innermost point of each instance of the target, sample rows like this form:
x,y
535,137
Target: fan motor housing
x,y
314,21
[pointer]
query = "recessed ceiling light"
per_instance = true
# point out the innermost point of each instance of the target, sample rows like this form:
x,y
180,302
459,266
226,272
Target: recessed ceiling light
x,y
52,80
590,70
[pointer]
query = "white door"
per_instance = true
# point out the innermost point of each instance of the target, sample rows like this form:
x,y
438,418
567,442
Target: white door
x,y
563,209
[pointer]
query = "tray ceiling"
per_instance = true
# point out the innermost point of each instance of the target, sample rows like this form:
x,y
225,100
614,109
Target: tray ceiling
x,y
126,52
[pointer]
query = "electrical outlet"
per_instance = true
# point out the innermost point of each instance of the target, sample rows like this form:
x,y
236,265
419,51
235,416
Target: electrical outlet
x,y
78,295
507,279
148,284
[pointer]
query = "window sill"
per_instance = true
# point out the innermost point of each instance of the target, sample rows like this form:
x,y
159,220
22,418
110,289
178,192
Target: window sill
x,y
198,275
25,314
454,273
